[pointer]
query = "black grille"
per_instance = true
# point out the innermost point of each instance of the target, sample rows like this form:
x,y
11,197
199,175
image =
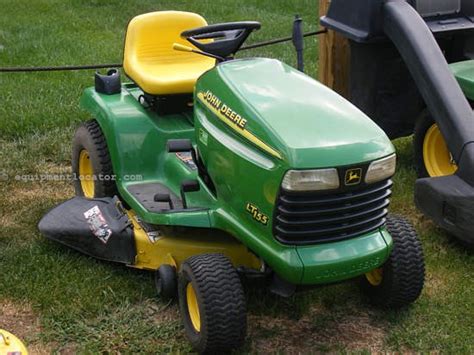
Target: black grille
x,y
309,217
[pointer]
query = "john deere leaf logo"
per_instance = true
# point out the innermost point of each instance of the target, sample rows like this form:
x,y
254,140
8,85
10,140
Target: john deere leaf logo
x,y
353,177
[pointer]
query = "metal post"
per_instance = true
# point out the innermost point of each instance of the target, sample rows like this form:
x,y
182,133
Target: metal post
x,y
298,41
334,58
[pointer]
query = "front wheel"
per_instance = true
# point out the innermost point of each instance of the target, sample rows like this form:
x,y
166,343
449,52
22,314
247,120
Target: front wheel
x,y
212,303
400,280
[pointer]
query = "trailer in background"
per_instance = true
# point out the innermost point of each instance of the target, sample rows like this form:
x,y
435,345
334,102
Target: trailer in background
x,y
391,59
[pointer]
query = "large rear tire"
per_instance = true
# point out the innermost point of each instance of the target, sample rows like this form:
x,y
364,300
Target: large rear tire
x,y
432,156
91,163
212,303
400,280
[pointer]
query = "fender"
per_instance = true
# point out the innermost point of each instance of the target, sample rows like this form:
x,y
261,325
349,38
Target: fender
x,y
136,139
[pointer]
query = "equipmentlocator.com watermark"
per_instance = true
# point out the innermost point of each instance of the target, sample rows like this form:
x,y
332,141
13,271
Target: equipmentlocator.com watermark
x,y
66,177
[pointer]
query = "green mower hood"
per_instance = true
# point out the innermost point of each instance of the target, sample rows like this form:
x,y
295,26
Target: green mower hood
x,y
464,73
296,117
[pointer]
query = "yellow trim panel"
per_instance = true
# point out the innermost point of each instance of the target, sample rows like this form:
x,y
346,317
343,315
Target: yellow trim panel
x,y
173,247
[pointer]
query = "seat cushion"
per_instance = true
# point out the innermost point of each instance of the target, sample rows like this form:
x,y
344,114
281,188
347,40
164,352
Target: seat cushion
x,y
150,60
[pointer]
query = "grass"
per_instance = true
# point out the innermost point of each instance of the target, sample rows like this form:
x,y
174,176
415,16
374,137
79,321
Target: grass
x,y
77,304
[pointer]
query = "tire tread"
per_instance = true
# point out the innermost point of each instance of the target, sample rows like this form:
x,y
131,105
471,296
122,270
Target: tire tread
x,y
403,272
407,262
223,300
105,187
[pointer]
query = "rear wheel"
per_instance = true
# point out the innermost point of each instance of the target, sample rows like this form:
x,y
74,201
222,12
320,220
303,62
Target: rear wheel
x,y
212,303
400,280
432,155
91,164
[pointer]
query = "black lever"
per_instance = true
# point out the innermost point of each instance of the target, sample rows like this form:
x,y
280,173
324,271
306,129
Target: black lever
x,y
188,186
182,146
179,145
164,198
185,145
298,41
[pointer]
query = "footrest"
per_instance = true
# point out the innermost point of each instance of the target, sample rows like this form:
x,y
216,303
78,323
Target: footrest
x,y
145,194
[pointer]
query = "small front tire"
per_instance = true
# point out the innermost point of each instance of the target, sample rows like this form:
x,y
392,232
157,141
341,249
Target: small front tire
x,y
400,280
212,303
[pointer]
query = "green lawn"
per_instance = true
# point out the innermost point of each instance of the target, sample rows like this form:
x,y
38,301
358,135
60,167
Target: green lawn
x,y
59,300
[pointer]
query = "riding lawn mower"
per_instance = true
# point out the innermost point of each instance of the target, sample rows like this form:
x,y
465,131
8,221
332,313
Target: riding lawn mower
x,y
209,170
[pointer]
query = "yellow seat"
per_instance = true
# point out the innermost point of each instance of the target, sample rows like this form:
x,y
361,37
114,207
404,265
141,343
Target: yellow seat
x,y
150,60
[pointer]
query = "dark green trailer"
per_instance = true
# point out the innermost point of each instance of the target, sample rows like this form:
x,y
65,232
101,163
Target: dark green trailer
x,y
401,77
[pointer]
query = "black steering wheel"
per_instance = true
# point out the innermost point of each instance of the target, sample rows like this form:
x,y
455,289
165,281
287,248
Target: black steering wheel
x,y
227,37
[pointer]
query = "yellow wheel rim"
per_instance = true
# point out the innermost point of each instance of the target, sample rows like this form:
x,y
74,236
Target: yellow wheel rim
x,y
375,276
86,174
193,307
10,344
436,156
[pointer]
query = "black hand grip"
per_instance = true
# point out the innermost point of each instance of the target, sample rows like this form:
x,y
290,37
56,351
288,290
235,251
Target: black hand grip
x,y
179,145
298,41
190,186
162,198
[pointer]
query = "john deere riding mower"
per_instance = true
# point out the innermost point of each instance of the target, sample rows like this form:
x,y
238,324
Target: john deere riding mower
x,y
207,169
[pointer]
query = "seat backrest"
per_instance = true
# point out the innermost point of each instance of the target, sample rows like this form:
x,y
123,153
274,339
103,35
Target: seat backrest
x,y
150,38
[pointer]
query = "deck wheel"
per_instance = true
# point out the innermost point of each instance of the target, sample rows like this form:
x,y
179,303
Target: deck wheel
x,y
166,282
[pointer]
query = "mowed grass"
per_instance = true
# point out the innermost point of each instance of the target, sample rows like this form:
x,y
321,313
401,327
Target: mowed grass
x,y
60,300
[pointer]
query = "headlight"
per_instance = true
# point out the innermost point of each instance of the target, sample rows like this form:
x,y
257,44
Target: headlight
x,y
381,169
311,180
